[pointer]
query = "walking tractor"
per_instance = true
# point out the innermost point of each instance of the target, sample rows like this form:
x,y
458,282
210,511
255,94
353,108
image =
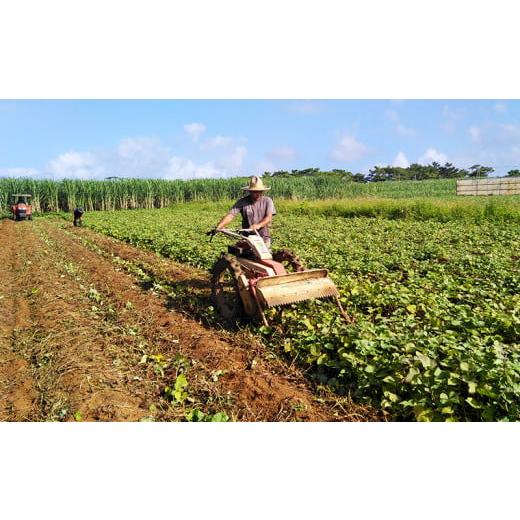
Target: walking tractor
x,y
21,209
248,279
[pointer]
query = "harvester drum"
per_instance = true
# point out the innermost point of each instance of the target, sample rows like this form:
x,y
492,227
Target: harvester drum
x,y
249,279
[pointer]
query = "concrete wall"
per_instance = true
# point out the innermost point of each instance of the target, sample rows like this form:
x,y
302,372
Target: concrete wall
x,y
498,186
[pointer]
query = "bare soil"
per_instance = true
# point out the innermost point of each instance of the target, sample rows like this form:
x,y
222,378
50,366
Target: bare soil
x,y
88,331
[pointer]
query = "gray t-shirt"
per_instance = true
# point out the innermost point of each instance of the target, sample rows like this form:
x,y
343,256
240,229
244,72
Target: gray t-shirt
x,y
254,212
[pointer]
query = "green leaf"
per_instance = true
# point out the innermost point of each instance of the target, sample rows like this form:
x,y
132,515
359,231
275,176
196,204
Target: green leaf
x,y
472,387
196,416
423,414
472,402
411,374
219,417
181,382
308,324
394,398
425,360
409,347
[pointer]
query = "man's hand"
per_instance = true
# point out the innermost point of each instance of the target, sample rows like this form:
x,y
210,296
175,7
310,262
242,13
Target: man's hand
x,y
254,227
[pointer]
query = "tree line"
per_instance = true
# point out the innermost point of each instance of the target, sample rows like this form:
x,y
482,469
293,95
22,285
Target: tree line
x,y
415,171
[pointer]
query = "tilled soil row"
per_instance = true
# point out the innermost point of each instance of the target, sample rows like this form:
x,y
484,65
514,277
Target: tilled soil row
x,y
18,392
287,388
76,357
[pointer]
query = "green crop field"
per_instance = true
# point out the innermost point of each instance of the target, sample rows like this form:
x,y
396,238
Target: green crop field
x,y
152,193
433,287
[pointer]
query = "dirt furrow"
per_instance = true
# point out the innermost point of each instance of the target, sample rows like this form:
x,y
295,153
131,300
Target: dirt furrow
x,y
68,348
18,393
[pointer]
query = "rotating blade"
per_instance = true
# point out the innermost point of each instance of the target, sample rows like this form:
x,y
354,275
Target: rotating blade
x,y
295,287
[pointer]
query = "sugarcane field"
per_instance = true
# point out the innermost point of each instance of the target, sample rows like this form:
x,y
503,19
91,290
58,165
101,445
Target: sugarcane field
x,y
122,301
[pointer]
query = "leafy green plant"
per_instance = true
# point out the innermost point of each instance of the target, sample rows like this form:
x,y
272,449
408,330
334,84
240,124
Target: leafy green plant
x,y
177,393
197,415
435,302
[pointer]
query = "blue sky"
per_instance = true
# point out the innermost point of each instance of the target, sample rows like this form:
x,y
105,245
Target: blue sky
x,y
219,138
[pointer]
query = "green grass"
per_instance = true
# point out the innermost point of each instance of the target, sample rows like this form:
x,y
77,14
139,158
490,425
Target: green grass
x,y
474,209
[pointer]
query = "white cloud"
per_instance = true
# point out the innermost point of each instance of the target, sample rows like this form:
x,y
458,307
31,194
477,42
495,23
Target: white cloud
x,y
452,113
195,130
237,157
143,157
233,163
349,149
138,156
493,144
181,168
510,131
215,142
18,172
500,107
405,130
283,153
475,133
432,155
451,117
401,160
400,128
494,137
77,165
265,166
130,147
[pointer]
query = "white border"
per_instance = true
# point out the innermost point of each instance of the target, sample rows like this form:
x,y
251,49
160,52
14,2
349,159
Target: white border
x,y
271,49
259,471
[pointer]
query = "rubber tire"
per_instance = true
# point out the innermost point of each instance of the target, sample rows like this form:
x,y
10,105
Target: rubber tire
x,y
30,217
289,260
229,312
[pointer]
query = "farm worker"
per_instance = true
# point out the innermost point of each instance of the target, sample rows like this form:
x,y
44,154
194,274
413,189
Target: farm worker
x,y
78,214
256,209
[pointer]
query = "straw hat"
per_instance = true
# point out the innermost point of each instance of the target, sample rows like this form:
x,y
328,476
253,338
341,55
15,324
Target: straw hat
x,y
255,184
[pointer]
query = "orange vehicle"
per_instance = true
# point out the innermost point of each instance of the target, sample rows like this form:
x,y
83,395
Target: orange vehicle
x,y
21,209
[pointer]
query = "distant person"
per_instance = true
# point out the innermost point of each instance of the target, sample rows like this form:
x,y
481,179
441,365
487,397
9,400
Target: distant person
x,y
78,214
256,209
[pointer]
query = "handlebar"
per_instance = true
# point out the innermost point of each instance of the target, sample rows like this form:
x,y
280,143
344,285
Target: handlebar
x,y
239,233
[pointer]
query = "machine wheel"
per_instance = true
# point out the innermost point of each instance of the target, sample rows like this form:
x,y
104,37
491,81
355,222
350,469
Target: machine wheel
x,y
289,260
30,217
224,287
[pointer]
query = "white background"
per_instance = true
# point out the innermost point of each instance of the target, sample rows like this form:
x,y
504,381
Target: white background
x,y
237,49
